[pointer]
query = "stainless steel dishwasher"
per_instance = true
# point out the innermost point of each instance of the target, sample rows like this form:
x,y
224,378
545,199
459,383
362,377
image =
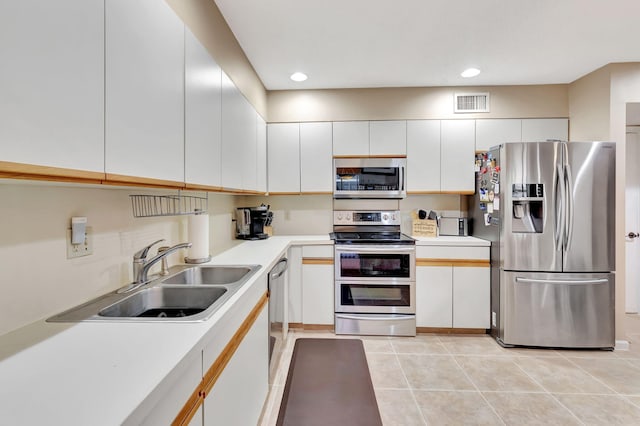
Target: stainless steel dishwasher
x,y
278,321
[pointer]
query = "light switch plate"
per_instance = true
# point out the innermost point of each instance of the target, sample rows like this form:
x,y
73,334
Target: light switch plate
x,y
79,250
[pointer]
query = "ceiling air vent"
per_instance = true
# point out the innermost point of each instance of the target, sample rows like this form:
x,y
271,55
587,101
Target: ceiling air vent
x,y
471,102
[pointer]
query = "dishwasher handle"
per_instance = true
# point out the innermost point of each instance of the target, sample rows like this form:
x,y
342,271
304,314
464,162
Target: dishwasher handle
x,y
275,275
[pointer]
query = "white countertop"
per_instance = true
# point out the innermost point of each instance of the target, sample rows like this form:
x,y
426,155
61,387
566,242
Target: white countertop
x,y
445,240
93,373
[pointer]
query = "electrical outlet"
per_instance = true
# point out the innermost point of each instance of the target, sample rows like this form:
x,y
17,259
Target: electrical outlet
x,y
79,250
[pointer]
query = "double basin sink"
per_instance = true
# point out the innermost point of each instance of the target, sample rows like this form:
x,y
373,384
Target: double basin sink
x,y
188,293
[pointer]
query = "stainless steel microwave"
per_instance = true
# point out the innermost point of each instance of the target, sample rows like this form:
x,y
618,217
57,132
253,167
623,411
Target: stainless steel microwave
x,y
370,178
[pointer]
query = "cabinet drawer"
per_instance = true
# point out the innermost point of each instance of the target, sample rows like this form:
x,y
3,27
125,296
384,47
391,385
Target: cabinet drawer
x,y
452,252
322,251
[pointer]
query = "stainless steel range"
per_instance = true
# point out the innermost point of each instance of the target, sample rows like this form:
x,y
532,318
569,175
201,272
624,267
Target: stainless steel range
x,y
375,274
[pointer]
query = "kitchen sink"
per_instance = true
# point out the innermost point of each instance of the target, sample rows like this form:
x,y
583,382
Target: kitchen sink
x,y
189,294
165,302
209,275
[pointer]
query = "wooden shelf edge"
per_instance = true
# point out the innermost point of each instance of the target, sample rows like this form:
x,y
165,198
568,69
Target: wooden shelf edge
x,y
198,187
440,192
372,156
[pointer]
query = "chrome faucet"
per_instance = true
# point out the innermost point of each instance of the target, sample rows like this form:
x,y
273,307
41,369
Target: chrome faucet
x,y
141,265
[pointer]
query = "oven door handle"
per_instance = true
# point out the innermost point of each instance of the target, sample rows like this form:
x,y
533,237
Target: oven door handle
x,y
378,317
376,249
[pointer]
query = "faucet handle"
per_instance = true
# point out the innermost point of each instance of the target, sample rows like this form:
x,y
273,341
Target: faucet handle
x,y
142,254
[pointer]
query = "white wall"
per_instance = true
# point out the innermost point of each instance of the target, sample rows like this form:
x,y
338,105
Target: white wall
x,y
37,280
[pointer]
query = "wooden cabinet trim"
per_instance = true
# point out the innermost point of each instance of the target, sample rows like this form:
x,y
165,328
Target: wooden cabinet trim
x,y
115,179
454,262
197,187
215,370
30,171
317,261
372,156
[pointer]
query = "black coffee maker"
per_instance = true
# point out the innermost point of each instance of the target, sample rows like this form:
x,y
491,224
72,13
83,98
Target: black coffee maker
x,y
250,222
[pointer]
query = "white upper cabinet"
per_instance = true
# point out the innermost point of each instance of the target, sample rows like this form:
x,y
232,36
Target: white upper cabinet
x,y
370,138
350,138
316,157
52,83
542,129
249,147
423,156
203,95
144,110
261,141
492,132
232,147
457,155
283,142
388,137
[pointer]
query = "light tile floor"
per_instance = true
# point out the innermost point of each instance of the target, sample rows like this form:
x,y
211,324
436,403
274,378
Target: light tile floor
x,y
456,380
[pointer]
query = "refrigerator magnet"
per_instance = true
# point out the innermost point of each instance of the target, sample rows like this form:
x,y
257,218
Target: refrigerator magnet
x,y
487,219
489,207
496,188
496,204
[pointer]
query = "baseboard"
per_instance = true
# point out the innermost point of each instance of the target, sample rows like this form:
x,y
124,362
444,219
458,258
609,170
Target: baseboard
x,y
622,345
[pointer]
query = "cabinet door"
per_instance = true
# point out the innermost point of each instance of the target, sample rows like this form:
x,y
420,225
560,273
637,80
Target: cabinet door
x,y
52,83
144,109
203,98
541,129
471,297
317,294
249,146
232,135
457,155
261,166
491,132
351,138
423,156
283,157
316,157
294,285
434,296
239,393
388,137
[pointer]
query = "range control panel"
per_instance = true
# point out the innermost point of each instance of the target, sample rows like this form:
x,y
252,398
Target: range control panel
x,y
350,217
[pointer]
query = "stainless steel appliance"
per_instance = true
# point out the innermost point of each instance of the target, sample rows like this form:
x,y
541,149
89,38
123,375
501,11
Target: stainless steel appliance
x,y
453,226
278,318
548,209
370,178
375,274
250,222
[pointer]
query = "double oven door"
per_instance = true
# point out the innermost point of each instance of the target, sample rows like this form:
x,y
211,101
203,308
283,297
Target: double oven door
x,y
376,279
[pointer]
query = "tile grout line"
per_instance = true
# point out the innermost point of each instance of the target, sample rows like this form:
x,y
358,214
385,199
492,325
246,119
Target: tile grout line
x,y
615,392
404,375
476,387
549,393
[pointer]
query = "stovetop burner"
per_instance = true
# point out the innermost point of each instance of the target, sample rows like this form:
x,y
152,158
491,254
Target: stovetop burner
x,y
371,237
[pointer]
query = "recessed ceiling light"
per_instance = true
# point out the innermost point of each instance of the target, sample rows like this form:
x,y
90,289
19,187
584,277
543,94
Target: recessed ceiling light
x,y
470,72
298,76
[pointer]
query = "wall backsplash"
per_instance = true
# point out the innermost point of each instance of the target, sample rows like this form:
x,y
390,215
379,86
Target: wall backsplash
x,y
38,280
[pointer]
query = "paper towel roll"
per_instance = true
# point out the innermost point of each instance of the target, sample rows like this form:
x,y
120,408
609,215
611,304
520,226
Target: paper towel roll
x,y
199,236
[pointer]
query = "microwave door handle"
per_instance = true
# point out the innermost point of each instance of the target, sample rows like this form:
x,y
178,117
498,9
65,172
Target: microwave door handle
x,y
402,177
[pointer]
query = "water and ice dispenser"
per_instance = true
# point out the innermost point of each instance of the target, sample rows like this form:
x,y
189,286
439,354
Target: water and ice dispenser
x,y
528,208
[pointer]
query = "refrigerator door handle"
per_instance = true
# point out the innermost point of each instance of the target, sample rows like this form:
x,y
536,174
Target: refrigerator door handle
x,y
564,282
568,181
559,207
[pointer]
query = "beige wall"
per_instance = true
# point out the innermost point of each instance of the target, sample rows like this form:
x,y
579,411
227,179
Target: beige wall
x,y
38,280
206,22
544,101
589,106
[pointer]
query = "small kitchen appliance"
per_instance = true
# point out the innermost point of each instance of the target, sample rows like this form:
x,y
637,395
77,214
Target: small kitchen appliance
x,y
250,222
453,226
375,274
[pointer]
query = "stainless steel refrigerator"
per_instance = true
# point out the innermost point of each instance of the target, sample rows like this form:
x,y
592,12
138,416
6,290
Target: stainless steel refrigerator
x,y
548,209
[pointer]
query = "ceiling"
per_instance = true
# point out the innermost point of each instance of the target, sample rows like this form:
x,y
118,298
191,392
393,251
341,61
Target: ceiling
x,y
404,43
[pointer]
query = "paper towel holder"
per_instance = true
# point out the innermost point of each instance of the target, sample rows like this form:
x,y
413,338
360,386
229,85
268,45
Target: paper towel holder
x,y
202,259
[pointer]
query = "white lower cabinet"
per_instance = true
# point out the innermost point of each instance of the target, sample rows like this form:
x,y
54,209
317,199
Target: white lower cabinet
x,y
239,393
317,285
434,296
451,291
